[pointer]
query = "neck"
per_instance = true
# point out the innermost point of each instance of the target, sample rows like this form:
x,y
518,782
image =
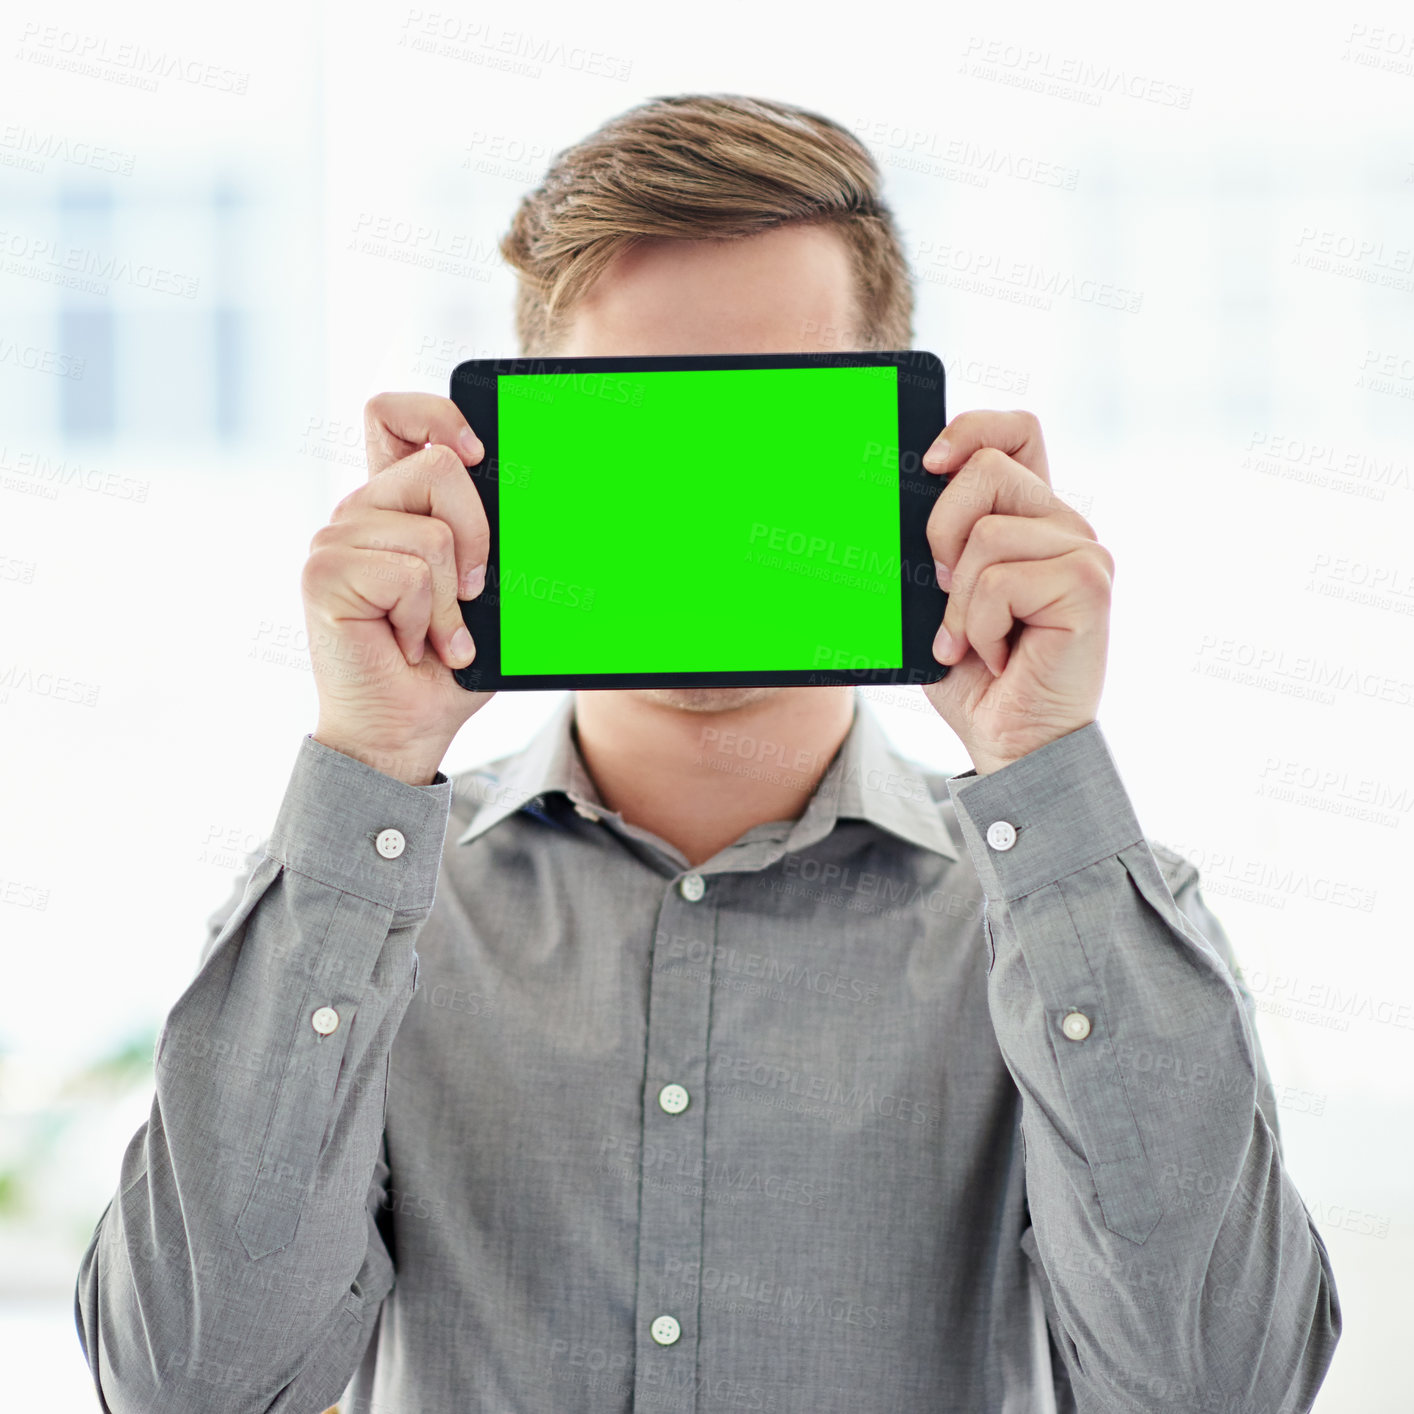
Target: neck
x,y
700,778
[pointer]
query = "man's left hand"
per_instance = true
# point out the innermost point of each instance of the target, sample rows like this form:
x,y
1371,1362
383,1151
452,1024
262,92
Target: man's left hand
x,y
1026,628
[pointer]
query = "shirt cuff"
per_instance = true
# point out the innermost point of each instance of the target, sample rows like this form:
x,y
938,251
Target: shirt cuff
x,y
335,809
1064,802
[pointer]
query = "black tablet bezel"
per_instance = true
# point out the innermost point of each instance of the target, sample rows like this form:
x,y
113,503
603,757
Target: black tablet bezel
x,y
921,417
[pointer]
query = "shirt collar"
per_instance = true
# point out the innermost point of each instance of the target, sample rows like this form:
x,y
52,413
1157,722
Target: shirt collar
x,y
867,780
550,761
877,784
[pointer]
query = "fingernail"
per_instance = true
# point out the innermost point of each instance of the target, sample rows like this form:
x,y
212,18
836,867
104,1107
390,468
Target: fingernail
x,y
942,644
461,644
936,455
470,444
473,581
944,575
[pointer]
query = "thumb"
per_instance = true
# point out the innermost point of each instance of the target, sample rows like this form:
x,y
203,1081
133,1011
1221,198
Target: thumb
x,y
955,697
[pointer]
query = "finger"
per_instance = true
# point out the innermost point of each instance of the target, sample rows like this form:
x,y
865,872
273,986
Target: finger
x,y
989,483
1054,595
348,585
1018,434
997,539
430,540
432,482
395,425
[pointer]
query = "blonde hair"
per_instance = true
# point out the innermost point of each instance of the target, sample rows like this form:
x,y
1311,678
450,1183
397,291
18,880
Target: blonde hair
x,y
703,166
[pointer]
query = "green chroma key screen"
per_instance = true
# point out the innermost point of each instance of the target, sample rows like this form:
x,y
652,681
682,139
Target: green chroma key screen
x,y
707,520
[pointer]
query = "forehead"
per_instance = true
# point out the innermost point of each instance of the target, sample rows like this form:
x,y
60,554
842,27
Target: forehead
x,y
796,245
774,290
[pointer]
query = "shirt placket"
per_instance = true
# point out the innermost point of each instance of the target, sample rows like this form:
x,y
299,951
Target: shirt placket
x,y
672,1153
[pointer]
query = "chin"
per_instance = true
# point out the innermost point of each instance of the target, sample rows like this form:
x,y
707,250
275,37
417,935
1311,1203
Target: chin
x,y
706,699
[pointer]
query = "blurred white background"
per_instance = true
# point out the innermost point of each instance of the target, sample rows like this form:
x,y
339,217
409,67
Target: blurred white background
x,y
1185,244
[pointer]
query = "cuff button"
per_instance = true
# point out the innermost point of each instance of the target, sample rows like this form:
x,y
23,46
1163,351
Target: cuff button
x,y
390,843
1001,834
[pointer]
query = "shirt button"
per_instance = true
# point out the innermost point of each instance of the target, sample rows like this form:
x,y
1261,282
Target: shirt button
x,y
1001,834
692,887
665,1330
1076,1026
673,1099
325,1020
586,812
390,843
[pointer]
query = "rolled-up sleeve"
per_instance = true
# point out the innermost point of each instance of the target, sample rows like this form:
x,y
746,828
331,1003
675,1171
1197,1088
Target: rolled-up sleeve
x,y
239,1266
1179,1267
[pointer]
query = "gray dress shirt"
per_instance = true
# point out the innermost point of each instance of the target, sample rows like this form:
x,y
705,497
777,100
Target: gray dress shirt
x,y
942,1097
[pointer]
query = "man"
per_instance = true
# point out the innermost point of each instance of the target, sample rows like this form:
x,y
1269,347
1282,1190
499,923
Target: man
x,y
708,1054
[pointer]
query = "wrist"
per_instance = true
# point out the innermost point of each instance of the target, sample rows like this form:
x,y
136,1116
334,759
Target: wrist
x,y
413,763
985,763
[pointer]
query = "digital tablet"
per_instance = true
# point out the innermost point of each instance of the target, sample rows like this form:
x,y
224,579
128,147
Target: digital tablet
x,y
732,520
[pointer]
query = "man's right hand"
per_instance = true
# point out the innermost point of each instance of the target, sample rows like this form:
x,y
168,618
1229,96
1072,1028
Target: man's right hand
x,y
382,584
